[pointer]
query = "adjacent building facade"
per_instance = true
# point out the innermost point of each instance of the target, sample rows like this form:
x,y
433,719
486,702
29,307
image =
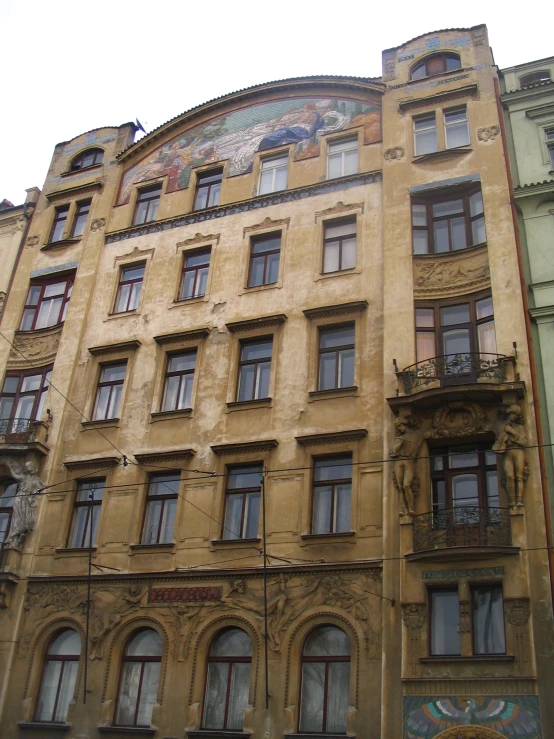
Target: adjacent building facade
x,y
270,465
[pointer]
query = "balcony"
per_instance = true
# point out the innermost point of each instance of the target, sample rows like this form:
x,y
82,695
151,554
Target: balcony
x,y
23,434
466,530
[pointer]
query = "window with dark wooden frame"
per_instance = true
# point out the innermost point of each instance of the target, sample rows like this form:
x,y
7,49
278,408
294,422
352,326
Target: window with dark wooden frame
x,y
336,357
425,134
332,494
161,507
534,78
325,682
87,158
129,287
459,326
146,208
242,502
179,379
489,635
86,513
265,253
444,224
436,64
46,303
444,622
254,369
108,392
59,675
195,274
61,214
22,399
8,491
227,681
339,245
208,189
138,682
80,219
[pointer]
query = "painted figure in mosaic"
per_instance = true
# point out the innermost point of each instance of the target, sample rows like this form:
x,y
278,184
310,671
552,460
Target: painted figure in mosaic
x,y
510,443
408,439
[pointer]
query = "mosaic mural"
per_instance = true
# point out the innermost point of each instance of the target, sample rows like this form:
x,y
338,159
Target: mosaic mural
x,y
238,135
516,716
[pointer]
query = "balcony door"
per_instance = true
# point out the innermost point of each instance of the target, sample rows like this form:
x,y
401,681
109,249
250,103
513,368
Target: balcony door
x,y
457,343
22,399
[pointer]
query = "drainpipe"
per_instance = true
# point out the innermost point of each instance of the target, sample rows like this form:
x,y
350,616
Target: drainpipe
x,y
28,210
532,364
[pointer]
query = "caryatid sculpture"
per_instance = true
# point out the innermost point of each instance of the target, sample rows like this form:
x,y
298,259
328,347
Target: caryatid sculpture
x,y
23,511
407,443
510,442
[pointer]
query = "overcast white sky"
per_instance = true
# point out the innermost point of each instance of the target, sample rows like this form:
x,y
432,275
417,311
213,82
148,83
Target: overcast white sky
x,y
70,66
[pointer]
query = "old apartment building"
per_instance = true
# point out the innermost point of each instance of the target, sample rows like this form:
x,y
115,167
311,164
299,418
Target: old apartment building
x,y
269,457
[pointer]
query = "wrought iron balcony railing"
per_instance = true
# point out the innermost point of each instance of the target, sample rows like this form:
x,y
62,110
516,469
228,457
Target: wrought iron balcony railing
x,y
464,526
16,430
454,369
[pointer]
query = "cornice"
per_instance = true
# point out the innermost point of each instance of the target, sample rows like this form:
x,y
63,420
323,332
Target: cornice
x,y
333,437
238,98
336,310
536,188
90,463
242,206
76,191
122,346
252,323
438,97
155,457
538,111
244,447
174,338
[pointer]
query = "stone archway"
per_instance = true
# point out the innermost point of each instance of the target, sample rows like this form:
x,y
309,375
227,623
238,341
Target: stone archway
x,y
469,732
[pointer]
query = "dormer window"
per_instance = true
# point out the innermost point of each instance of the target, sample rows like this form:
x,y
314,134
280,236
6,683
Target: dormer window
x,y
533,78
436,64
86,159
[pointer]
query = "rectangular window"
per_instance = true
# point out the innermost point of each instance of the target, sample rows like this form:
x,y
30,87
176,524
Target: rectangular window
x,y
46,303
22,399
179,378
342,157
254,369
441,226
456,128
488,620
146,208
339,245
549,138
265,252
242,502
128,290
108,393
86,513
195,275
336,357
332,495
60,222
273,174
208,189
445,622
161,507
425,135
80,220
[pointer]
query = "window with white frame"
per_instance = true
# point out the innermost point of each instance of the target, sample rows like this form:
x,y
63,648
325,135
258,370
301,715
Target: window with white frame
x,y
456,128
549,139
273,174
342,157
425,134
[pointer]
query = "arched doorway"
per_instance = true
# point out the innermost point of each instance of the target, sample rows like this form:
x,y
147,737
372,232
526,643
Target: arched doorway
x,y
470,732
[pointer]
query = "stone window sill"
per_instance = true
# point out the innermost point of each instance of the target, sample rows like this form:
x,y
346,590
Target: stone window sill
x,y
43,726
188,301
256,288
470,659
162,415
132,730
122,314
82,169
104,423
336,392
158,547
215,734
314,538
234,542
442,154
74,550
51,245
242,405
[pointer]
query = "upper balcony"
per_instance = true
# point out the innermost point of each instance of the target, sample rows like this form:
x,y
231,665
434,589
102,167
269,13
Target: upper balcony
x,y
19,435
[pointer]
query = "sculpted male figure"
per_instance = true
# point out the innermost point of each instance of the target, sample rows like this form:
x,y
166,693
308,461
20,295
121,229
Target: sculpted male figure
x,y
510,442
407,442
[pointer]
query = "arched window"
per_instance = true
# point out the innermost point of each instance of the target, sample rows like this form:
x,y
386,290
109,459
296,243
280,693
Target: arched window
x,y
58,678
534,78
436,64
8,490
140,673
325,684
87,158
228,681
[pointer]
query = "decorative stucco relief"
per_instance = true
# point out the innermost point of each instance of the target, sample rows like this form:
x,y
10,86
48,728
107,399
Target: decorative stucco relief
x,y
31,241
414,616
41,349
397,152
451,274
488,134
97,224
